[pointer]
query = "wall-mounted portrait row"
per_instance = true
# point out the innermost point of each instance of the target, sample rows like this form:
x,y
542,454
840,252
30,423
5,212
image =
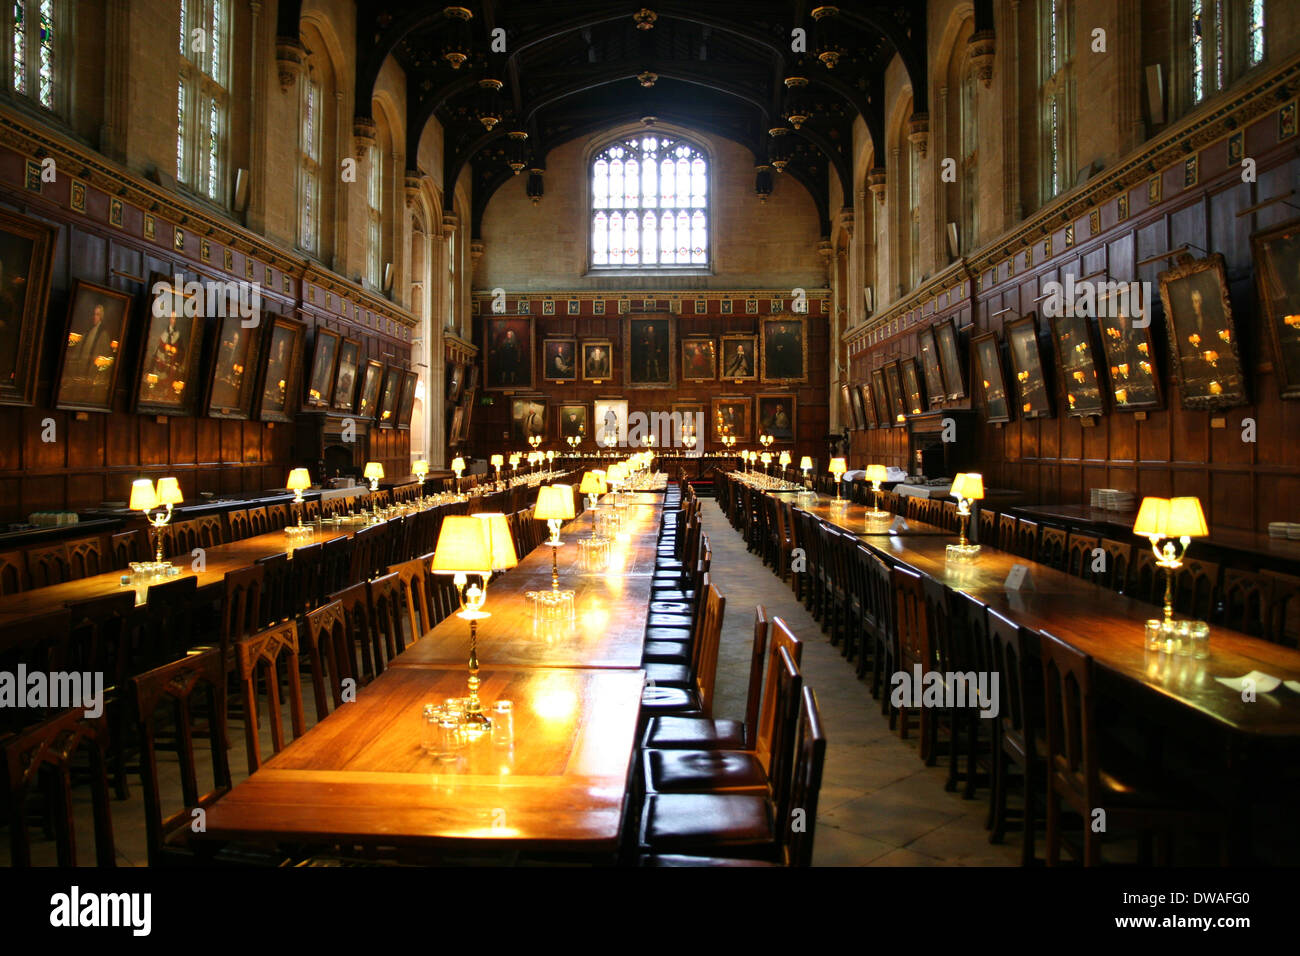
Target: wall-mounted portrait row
x,y
743,417
650,354
1123,373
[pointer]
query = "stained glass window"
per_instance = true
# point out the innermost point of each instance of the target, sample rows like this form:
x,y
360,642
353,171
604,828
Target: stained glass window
x,y
1255,33
45,70
649,204
1056,97
34,39
203,96
1197,39
374,200
20,46
310,153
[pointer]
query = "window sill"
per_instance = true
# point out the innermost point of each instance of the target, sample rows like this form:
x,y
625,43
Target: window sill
x,y
597,271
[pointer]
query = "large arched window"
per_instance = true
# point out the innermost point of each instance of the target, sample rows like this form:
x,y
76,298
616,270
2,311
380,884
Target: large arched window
x,y
309,165
203,95
1056,97
35,31
650,204
1223,41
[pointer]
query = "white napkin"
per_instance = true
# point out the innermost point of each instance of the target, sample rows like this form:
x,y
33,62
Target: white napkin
x,y
1264,682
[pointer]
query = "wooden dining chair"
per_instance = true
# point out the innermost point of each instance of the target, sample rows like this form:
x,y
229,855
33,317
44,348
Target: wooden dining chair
x,y
1007,532
258,522
742,824
988,527
1087,776
805,788
1051,548
182,538
47,564
697,698
192,692
972,652
1196,588
277,516
237,524
127,547
1019,726
710,733
86,558
210,531
327,647
1027,539
413,583
1079,550
13,572
336,564
241,608
1281,624
913,649
1243,602
365,545
312,507
261,659
715,770
103,640
43,759
1119,564
277,589
884,652
386,614
364,644
167,625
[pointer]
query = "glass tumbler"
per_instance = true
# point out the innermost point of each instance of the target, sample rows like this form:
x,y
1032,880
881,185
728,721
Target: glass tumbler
x,y
503,723
1199,632
1155,637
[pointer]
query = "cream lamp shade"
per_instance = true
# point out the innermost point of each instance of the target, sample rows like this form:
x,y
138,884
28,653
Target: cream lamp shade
x,y
514,460
968,485
501,542
169,491
299,480
374,470
458,464
766,458
615,473
421,467
1171,518
550,455
593,483
143,495
498,461
463,546
805,463
837,466
784,459
554,502
876,473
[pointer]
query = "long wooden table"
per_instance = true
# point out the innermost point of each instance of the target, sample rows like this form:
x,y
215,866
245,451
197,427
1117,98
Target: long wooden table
x,y
610,605
217,561
1108,627
360,777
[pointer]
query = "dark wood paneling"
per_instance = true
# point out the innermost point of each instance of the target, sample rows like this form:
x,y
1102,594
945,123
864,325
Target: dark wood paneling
x,y
1172,451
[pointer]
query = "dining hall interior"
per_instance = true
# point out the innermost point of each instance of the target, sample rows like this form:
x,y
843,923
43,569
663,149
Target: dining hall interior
x,y
650,435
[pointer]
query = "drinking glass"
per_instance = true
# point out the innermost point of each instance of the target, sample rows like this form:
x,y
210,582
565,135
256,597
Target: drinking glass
x,y
1200,640
1155,636
503,723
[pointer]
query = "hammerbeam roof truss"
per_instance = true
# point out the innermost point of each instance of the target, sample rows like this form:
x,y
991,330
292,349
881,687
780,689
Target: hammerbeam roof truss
x,y
569,69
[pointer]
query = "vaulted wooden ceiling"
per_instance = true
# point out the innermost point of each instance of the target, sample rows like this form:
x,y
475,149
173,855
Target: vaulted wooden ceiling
x,y
570,68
